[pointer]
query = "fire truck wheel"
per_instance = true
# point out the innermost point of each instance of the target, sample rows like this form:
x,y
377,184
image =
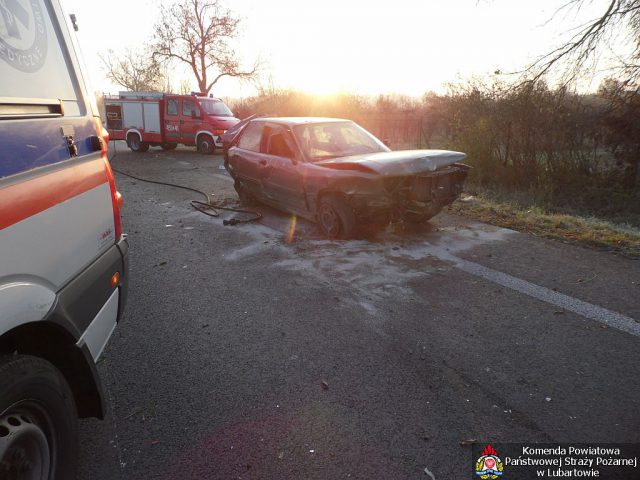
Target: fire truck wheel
x,y
205,145
136,145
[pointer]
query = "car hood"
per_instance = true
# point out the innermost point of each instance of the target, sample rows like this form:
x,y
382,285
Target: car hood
x,y
398,163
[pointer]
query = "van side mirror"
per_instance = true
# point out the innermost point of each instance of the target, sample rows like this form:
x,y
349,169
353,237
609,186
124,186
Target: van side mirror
x,y
194,114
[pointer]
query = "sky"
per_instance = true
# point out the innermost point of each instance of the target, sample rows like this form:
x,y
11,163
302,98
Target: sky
x,y
365,47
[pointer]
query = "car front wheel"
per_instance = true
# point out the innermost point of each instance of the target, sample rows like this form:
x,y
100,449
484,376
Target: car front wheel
x,y
336,217
38,421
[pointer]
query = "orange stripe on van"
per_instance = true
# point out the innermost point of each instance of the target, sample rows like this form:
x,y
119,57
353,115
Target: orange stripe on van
x,y
28,198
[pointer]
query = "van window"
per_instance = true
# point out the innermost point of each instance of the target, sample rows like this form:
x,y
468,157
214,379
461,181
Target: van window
x,y
34,60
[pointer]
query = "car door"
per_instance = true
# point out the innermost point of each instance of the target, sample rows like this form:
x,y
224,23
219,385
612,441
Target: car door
x,y
280,168
190,121
245,157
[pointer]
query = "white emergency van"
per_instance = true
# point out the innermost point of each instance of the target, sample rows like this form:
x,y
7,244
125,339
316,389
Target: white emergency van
x,y
63,256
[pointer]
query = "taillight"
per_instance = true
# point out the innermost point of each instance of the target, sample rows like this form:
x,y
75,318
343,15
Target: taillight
x,y
116,198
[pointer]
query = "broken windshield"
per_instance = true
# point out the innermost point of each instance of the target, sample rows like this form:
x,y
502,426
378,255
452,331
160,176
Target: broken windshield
x,y
322,141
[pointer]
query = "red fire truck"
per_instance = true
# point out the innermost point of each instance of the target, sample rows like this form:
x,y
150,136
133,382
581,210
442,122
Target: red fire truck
x,y
164,120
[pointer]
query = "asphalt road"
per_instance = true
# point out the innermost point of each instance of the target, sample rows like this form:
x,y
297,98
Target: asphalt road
x,y
244,355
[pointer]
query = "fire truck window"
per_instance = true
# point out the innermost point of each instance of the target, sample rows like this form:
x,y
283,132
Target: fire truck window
x,y
172,106
188,106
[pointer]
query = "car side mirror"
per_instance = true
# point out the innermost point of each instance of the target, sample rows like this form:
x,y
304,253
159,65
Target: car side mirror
x,y
386,142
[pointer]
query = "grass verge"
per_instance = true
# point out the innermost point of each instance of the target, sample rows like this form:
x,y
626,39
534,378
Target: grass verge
x,y
580,230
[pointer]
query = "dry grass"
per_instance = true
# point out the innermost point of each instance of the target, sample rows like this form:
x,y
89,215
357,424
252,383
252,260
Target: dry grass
x,y
584,231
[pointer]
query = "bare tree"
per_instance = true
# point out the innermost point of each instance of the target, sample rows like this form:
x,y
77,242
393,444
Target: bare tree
x,y
134,70
618,21
199,33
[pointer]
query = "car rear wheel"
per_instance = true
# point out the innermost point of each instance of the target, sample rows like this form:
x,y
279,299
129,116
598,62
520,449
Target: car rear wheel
x,y
169,146
136,145
38,421
336,218
206,145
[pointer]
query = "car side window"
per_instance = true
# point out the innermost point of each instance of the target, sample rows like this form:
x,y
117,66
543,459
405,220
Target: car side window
x,y
172,106
277,145
250,137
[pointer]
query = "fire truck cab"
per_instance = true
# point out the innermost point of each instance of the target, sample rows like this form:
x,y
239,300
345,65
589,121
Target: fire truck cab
x,y
145,119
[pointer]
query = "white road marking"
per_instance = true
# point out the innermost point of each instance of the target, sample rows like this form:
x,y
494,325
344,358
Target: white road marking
x,y
588,310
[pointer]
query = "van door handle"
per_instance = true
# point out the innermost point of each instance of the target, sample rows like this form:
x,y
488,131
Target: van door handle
x,y
263,163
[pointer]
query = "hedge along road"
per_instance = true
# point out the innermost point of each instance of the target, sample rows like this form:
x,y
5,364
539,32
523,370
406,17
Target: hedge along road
x,y
243,355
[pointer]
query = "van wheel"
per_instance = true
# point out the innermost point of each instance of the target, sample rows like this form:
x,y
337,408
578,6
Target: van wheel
x,y
136,145
336,218
169,146
206,146
38,420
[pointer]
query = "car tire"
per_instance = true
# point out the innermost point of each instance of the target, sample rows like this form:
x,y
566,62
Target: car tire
x,y
169,146
335,217
38,420
136,145
246,198
206,145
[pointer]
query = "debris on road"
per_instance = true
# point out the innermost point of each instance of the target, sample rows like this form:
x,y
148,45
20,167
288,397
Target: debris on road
x,y
468,441
428,472
325,385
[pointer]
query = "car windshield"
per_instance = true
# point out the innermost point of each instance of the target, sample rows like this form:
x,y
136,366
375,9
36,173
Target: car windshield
x,y
215,107
321,141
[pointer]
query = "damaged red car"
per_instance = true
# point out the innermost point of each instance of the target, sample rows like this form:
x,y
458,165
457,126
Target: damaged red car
x,y
337,174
